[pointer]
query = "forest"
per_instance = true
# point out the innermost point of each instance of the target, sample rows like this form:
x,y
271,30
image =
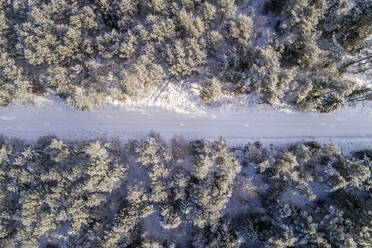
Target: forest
x,y
58,57
306,54
182,193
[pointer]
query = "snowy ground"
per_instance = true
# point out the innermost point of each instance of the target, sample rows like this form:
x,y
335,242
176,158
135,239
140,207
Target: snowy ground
x,y
350,127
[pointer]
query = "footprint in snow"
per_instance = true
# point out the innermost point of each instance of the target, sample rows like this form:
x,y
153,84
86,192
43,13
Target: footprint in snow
x,y
8,118
327,125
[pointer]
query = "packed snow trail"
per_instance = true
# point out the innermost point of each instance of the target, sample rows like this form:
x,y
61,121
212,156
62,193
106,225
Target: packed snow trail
x,y
349,127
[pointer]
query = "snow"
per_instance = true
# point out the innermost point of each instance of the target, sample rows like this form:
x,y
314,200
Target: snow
x,y
180,98
171,112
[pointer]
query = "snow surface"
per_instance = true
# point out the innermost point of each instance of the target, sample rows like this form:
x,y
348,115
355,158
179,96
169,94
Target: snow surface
x,y
350,128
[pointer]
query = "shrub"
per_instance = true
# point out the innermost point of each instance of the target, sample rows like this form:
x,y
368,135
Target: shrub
x,y
211,91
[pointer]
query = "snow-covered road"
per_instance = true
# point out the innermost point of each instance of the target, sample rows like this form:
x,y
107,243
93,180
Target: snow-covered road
x,y
348,127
